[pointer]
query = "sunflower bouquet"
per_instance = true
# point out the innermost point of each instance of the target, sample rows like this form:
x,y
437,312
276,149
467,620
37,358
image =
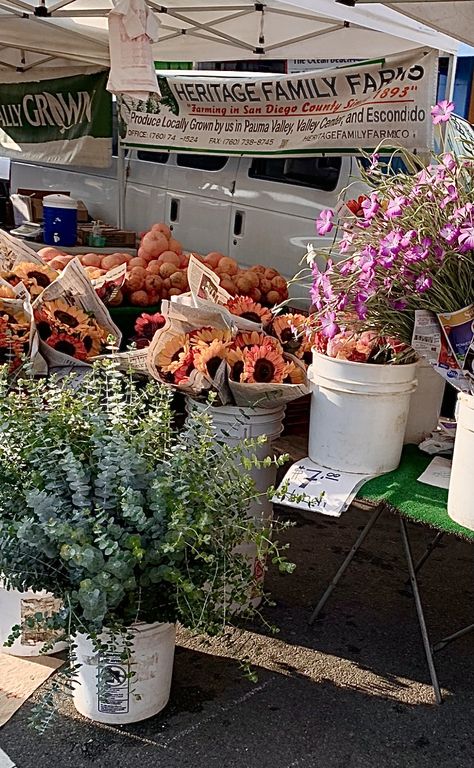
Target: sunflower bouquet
x,y
18,337
242,366
73,324
188,350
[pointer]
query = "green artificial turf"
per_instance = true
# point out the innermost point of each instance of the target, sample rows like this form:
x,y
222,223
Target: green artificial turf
x,y
417,501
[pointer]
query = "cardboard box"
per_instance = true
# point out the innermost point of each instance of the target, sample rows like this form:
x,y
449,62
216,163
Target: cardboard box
x,y
28,205
114,237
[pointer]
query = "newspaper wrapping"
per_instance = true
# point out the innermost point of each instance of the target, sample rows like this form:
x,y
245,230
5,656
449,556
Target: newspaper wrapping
x,y
206,291
270,395
430,341
13,251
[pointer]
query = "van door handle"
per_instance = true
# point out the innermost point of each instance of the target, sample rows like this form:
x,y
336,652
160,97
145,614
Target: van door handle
x,y
238,223
174,209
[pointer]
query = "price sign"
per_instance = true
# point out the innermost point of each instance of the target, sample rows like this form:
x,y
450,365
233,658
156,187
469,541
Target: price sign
x,y
314,488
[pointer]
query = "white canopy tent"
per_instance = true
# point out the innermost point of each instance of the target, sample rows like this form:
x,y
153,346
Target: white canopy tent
x,y
44,33
37,35
450,17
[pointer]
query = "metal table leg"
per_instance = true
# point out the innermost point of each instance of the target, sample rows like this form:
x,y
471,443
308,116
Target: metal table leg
x,y
429,549
371,522
449,639
419,610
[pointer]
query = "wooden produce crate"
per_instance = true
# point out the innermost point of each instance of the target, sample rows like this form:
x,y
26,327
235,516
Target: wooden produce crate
x,y
114,237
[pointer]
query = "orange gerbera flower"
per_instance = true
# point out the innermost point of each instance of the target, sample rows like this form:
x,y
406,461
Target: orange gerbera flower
x,y
68,345
235,359
244,306
207,335
207,359
263,365
256,338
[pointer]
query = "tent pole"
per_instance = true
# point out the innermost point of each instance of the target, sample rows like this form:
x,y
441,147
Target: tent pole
x,y
451,76
121,186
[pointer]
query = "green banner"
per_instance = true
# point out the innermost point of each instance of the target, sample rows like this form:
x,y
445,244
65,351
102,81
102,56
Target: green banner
x,y
65,120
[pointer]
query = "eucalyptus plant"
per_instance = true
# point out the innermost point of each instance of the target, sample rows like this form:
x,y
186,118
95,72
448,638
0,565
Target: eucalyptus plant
x,y
118,513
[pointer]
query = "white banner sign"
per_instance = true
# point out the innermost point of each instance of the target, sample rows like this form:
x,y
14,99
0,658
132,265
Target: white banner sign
x,y
343,109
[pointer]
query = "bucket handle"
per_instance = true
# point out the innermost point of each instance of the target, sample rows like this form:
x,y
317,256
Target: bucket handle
x,y
372,394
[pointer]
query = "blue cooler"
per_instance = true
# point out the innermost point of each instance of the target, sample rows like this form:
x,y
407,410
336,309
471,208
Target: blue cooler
x,y
60,220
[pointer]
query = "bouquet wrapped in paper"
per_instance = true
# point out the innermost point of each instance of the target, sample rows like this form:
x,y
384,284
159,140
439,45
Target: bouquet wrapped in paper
x,y
213,341
20,265
18,336
73,324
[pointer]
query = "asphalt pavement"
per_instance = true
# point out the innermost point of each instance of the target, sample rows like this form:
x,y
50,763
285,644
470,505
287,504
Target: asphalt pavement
x,y
352,691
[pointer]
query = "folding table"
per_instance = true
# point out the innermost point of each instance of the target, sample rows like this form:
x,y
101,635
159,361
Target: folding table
x,y
401,493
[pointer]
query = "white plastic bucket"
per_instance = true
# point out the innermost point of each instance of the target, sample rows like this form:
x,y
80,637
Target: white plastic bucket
x,y
358,414
232,425
425,404
460,496
15,607
103,689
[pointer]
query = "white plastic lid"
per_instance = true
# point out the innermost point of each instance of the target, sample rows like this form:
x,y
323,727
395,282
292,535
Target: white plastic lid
x,y
59,201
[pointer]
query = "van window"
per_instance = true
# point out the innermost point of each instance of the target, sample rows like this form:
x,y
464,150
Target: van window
x,y
315,172
388,164
202,162
153,157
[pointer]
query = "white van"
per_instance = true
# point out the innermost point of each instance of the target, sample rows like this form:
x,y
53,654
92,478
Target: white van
x,y
257,210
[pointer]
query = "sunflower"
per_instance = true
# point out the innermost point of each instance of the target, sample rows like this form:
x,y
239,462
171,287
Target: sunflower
x,y
92,343
96,331
293,374
207,335
66,318
263,365
235,359
36,277
254,338
13,315
244,306
68,345
305,350
208,359
167,358
287,328
44,323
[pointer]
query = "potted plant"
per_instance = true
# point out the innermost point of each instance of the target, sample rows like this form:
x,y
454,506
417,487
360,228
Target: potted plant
x,y
406,246
131,523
